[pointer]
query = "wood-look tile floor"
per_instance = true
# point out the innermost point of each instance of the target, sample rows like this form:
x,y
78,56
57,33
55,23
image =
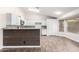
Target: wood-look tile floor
x,y
50,44
58,44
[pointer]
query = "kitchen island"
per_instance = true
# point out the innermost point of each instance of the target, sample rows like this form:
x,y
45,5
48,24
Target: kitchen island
x,y
21,37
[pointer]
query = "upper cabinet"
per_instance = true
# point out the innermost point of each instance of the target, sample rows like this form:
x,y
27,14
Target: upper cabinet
x,y
13,19
20,20
2,20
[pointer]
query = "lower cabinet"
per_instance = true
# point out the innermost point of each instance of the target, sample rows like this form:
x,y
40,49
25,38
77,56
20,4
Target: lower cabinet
x,y
21,37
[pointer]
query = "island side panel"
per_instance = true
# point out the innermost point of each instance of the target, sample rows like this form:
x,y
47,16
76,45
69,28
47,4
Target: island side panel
x,y
21,37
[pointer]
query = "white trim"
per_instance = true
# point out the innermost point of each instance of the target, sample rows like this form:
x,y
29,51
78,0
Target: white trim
x,y
72,36
1,38
21,46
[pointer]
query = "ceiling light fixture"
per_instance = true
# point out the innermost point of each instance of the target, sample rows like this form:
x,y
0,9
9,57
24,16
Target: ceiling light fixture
x,y
58,12
34,9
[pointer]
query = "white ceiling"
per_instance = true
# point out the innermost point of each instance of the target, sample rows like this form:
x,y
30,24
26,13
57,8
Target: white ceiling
x,y
49,11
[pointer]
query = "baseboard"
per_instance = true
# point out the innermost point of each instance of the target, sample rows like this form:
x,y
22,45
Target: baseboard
x,y
21,46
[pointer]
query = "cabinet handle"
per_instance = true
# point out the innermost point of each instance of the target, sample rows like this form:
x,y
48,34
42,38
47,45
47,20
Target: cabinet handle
x,y
24,42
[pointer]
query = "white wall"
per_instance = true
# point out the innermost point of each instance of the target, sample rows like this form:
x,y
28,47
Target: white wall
x,y
31,18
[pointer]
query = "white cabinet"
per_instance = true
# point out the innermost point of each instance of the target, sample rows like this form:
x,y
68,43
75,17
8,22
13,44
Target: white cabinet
x,y
12,19
44,31
8,19
15,20
52,26
2,20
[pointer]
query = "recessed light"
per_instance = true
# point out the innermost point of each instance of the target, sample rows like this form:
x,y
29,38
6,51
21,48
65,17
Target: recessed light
x,y
58,12
33,9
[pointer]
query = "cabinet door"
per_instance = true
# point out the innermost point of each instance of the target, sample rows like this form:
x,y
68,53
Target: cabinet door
x,y
15,20
2,20
8,19
12,19
21,37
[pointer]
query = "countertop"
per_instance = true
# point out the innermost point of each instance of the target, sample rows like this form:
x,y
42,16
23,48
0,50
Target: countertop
x,y
20,27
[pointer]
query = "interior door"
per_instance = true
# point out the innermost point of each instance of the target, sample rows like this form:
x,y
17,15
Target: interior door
x,y
52,26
